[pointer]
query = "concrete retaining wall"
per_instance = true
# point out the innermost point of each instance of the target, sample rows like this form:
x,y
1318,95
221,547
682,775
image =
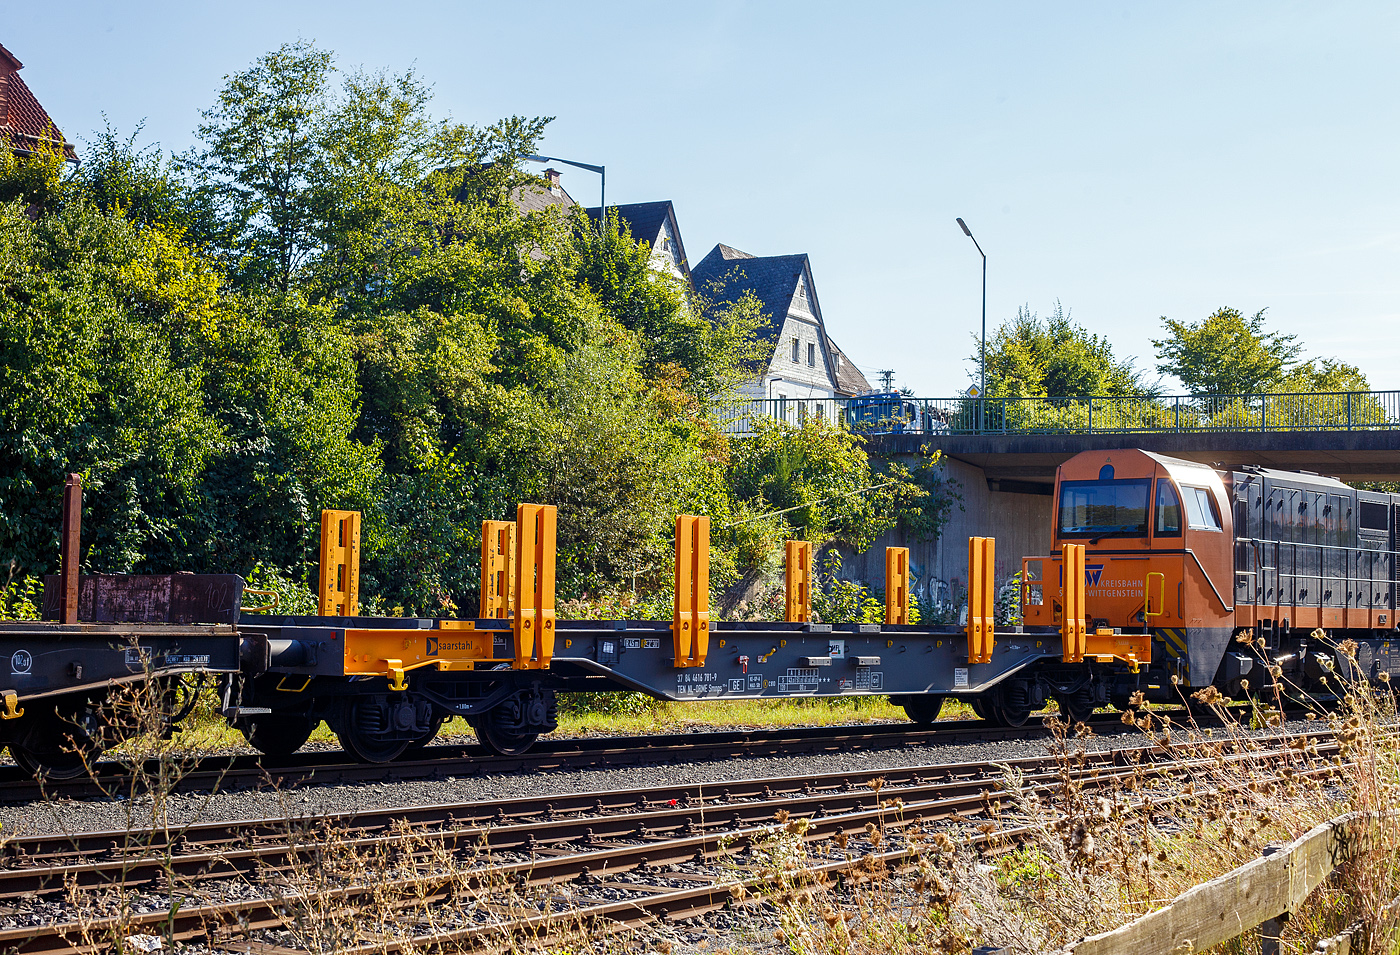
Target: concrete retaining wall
x,y
1019,522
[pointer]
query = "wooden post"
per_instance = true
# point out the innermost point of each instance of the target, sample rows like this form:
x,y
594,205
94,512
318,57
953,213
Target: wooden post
x,y
70,547
1271,930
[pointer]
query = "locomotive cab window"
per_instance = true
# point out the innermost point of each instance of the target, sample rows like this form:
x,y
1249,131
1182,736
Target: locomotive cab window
x,y
1168,510
1201,514
1104,508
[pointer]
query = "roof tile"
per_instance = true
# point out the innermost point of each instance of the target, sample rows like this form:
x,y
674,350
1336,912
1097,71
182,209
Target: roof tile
x,y
23,122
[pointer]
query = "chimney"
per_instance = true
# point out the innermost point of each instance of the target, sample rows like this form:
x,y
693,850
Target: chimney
x,y
553,176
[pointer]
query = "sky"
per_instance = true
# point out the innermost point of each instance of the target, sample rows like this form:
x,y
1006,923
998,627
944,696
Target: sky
x,y
1128,160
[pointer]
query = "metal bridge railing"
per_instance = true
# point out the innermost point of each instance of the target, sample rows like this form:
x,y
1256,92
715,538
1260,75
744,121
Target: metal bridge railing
x,y
1091,414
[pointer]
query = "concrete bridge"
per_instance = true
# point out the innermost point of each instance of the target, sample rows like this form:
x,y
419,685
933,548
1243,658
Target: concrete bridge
x,y
1006,480
1003,459
1013,461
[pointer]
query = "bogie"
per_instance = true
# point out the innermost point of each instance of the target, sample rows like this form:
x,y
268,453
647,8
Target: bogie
x,y
380,727
58,740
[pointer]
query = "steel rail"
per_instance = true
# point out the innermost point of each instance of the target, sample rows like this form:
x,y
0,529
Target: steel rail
x,y
456,759
225,850
33,849
685,842
691,902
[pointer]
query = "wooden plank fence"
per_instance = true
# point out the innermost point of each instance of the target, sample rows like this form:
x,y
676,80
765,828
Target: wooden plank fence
x,y
1259,893
1341,944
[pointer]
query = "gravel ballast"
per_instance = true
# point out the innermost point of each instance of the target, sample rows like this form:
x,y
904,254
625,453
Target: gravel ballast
x,y
69,815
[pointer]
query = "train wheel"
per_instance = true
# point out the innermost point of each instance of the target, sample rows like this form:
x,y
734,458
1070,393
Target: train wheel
x,y
357,726
504,743
923,709
59,742
1012,715
980,705
421,742
1075,707
1009,706
279,734
52,764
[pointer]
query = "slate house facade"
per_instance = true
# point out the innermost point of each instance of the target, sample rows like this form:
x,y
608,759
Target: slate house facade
x,y
806,364
655,223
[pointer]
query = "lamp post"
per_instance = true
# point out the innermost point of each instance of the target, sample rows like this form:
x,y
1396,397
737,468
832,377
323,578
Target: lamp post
x,y
968,233
602,189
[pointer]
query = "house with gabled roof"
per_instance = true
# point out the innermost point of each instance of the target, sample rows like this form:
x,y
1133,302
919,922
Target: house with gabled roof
x,y
655,224
24,124
806,364
537,198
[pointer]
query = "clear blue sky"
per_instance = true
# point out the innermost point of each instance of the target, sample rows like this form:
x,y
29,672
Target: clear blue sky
x,y
1131,160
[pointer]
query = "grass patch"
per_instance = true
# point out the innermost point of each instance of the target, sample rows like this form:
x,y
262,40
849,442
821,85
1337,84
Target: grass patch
x,y
667,717
622,714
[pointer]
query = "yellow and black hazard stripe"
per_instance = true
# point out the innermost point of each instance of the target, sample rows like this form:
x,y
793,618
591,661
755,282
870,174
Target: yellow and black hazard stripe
x,y
1173,640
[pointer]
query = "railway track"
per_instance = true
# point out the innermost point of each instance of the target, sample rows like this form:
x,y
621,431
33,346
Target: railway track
x,y
441,761
618,857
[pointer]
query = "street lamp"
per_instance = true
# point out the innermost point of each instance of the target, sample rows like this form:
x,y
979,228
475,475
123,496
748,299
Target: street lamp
x,y
600,170
968,233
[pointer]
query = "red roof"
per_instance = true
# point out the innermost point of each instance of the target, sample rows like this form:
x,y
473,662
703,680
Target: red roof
x,y
23,122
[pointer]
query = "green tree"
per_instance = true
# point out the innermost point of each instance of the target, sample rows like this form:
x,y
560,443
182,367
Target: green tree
x,y
139,182
694,343
37,179
337,302
1226,353
209,428
1322,375
820,477
261,142
1031,357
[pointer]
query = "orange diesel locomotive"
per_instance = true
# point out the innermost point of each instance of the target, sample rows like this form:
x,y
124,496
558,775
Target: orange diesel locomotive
x,y
1242,578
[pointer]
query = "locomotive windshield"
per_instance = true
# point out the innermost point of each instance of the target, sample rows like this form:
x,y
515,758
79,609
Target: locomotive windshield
x,y
1103,508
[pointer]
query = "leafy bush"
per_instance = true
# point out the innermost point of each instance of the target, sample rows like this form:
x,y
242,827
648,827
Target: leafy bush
x,y
22,599
287,596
